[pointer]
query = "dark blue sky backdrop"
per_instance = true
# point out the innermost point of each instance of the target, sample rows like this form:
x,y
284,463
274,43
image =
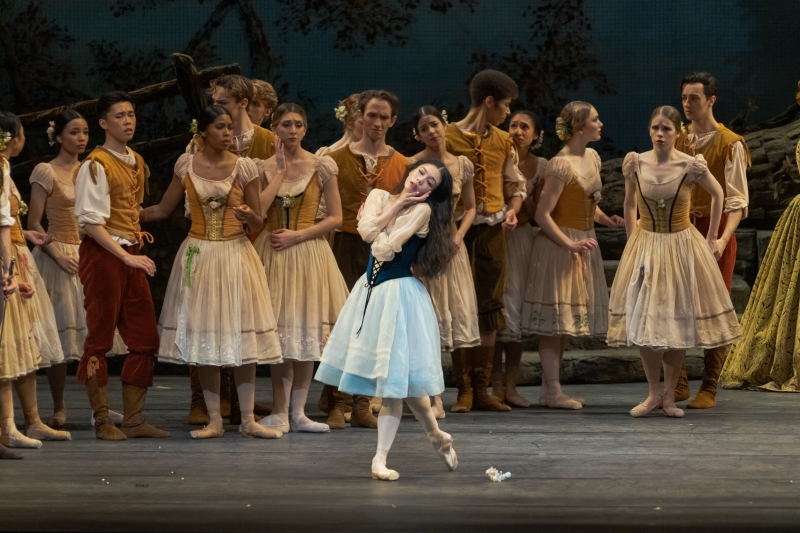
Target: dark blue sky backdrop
x,y
644,47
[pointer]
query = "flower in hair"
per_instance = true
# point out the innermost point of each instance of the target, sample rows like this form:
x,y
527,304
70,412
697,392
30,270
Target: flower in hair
x,y
563,129
341,111
414,131
5,138
51,133
682,128
538,143
444,116
193,126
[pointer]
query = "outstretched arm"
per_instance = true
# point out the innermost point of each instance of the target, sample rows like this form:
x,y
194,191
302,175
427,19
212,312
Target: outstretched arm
x,y
168,202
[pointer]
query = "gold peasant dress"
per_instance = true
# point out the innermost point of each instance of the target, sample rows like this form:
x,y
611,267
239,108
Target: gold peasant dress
x,y
19,354
307,289
668,292
767,357
567,293
39,307
453,291
217,308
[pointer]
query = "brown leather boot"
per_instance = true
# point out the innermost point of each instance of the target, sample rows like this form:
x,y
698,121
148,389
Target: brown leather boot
x,y
462,367
134,424
104,428
713,360
335,402
362,416
481,372
260,410
498,383
198,414
682,391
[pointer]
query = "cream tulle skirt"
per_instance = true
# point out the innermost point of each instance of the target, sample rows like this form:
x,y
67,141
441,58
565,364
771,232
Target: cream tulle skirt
x,y
566,293
217,308
668,293
19,354
66,296
455,303
40,311
519,248
308,292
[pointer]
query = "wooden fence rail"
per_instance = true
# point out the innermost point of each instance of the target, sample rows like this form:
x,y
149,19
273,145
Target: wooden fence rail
x,y
189,83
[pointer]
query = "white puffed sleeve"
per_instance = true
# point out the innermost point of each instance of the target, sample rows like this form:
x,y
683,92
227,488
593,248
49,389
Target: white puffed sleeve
x,y
182,167
697,169
326,169
511,174
92,200
390,241
736,193
630,165
373,207
43,176
246,171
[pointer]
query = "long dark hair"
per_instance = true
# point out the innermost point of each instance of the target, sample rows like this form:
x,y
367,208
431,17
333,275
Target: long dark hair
x,y
437,250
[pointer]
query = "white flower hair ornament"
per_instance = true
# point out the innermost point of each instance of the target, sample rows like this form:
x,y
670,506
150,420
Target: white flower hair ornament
x,y
341,111
193,126
5,138
51,133
444,117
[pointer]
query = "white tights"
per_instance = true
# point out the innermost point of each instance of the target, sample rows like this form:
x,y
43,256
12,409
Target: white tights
x,y
290,383
389,421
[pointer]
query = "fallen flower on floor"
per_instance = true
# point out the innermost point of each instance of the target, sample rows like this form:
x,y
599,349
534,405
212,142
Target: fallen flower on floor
x,y
497,475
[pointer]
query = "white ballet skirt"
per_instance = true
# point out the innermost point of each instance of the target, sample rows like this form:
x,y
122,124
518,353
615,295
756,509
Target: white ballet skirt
x,y
306,287
225,317
397,352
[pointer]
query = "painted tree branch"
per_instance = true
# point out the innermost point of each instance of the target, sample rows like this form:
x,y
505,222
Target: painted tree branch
x,y
144,95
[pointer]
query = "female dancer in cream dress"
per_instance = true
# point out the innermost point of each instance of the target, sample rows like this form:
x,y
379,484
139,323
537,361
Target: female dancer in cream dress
x,y
567,292
217,310
53,195
525,129
452,292
307,288
19,351
668,294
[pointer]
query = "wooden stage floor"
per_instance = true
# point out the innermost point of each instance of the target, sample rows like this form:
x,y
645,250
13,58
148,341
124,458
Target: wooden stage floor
x,y
733,468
